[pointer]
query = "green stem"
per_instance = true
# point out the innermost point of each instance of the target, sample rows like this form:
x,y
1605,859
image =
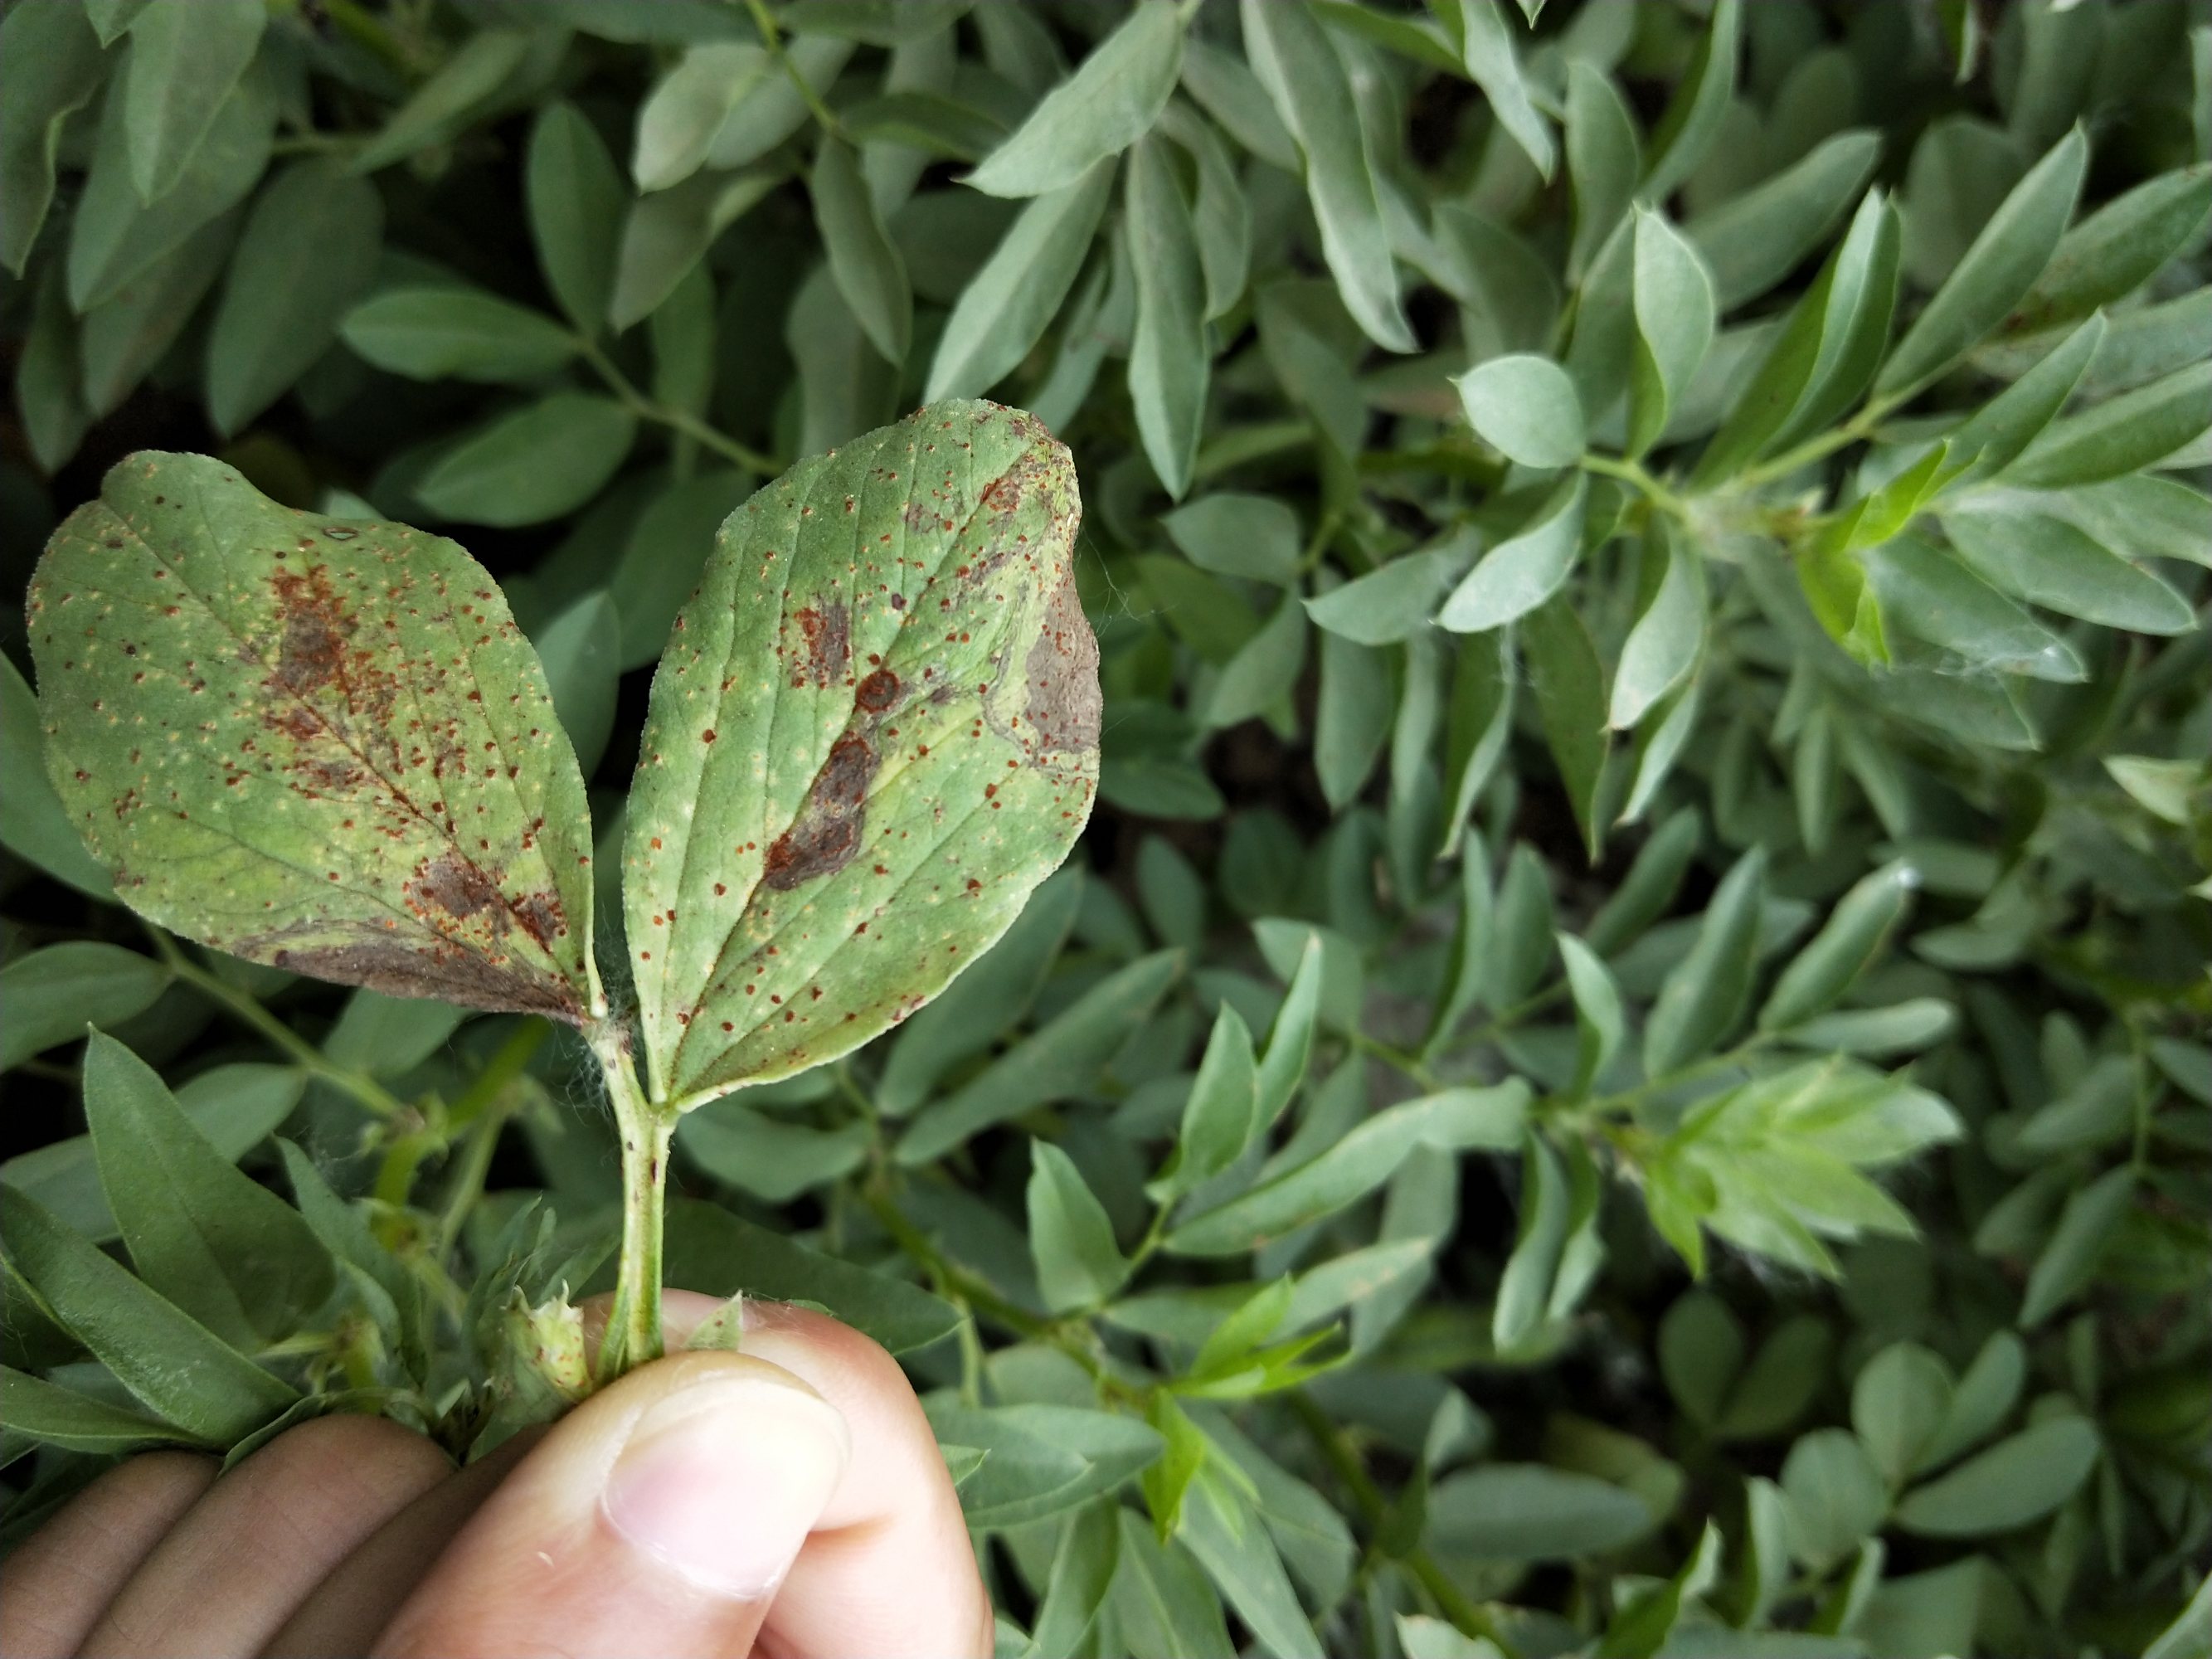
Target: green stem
x,y
1343,1459
242,1007
485,1124
1855,430
677,420
772,38
633,1333
1640,479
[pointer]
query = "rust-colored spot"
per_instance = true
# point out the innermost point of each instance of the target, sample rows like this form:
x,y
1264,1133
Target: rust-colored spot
x,y
1003,494
877,691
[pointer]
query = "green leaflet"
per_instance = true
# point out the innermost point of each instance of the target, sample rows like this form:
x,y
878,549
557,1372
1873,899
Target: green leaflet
x,y
50,64
262,721
1007,306
1099,111
874,731
214,1240
185,56
1312,92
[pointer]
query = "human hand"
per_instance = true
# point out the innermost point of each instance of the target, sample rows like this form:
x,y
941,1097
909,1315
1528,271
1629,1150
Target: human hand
x,y
787,1501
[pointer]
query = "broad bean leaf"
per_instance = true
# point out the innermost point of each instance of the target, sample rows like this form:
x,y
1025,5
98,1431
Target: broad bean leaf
x,y
575,198
169,1362
185,56
1109,103
53,994
1294,60
1525,407
874,731
1362,1161
2015,1481
319,745
50,64
2004,260
1007,306
434,331
216,1242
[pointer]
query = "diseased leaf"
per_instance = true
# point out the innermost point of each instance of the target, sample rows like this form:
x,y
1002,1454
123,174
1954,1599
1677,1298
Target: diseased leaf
x,y
1111,101
264,721
875,730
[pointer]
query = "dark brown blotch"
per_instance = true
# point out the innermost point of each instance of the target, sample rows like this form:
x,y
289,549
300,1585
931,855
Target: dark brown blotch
x,y
826,834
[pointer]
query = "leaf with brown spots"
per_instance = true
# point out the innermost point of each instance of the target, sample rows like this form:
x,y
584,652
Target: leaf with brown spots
x,y
319,743
874,731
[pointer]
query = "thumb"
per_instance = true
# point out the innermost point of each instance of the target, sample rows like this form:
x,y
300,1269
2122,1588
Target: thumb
x,y
657,1517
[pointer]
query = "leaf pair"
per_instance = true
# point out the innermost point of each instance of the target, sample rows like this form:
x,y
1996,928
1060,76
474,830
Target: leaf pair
x,y
325,744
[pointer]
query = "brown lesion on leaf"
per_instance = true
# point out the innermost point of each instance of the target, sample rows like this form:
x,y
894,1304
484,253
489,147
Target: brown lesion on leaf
x,y
877,691
402,967
1065,704
452,886
826,630
825,835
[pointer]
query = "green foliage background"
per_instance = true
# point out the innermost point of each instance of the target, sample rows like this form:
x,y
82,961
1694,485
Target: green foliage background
x,y
1622,1068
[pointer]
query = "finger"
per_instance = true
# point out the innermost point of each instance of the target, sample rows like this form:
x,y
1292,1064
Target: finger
x,y
62,1579
234,1568
348,1610
889,1569
657,1517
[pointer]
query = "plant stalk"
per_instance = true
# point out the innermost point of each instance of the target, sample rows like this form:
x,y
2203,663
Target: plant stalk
x,y
632,1332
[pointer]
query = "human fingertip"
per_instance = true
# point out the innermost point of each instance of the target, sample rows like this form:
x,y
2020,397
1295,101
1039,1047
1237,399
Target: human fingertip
x,y
721,1480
